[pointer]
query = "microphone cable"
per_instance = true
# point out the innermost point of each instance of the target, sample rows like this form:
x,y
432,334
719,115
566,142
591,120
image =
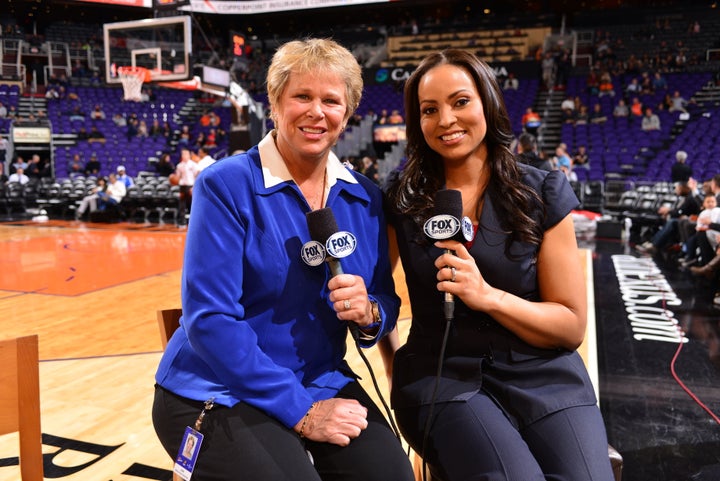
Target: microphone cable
x,y
438,375
355,333
322,226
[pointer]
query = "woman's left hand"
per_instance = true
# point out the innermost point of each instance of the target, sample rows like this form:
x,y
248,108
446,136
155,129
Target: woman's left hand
x,y
350,299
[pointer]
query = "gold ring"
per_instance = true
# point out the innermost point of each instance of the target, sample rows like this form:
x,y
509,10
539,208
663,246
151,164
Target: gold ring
x,y
452,278
346,304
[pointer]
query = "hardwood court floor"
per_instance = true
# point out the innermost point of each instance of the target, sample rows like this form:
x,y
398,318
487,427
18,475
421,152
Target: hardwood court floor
x,y
91,292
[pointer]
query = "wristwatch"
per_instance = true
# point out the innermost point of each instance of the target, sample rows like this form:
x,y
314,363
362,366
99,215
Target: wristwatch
x,y
366,332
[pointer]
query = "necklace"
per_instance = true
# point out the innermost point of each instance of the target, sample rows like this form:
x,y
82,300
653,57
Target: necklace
x,y
317,201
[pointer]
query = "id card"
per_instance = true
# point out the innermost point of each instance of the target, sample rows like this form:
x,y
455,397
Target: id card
x,y
187,457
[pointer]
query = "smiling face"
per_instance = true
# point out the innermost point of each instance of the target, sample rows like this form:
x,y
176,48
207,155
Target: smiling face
x,y
310,115
451,113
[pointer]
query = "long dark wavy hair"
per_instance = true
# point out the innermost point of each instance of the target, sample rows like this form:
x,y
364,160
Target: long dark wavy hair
x,y
423,175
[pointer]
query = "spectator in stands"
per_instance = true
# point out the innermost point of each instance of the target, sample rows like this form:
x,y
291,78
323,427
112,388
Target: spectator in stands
x,y
131,131
142,131
646,84
199,140
123,177
4,144
93,165
155,129
97,113
90,201
669,233
562,159
689,234
76,114
369,169
659,81
3,111
166,130
511,82
78,69
205,119
592,83
19,177
52,91
383,117
633,88
75,166
35,168
621,109
606,84
164,166
650,121
597,116
582,116
567,110
528,154
113,193
95,136
185,136
119,120
211,139
531,121
563,67
205,160
187,171
665,103
678,103
395,118
706,252
148,94
3,176
18,163
547,67
95,79
82,134
581,158
680,170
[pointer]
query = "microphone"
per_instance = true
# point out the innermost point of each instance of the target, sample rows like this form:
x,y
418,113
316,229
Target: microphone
x,y
448,223
324,230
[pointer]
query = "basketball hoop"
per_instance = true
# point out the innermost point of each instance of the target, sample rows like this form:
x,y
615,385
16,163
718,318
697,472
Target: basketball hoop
x,y
132,79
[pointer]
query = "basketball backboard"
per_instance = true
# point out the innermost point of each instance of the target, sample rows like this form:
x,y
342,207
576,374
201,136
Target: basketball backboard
x,y
161,45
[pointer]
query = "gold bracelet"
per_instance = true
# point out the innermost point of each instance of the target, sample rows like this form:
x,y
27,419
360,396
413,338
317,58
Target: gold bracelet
x,y
305,420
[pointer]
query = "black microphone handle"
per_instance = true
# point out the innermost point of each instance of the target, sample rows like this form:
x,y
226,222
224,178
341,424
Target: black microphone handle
x,y
334,265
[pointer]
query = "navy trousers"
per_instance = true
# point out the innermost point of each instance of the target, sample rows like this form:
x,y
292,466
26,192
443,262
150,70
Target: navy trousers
x,y
475,440
243,443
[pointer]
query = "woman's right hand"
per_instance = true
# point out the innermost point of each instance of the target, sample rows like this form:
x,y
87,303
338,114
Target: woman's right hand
x,y
335,421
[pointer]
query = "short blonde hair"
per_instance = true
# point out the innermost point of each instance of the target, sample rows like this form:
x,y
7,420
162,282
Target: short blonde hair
x,y
315,55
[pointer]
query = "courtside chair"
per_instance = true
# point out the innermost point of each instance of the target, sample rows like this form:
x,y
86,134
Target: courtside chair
x,y
20,401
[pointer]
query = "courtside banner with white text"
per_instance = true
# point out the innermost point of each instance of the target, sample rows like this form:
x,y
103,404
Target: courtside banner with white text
x,y
266,6
123,3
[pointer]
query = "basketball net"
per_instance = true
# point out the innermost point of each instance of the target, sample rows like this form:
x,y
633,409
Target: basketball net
x,y
132,79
